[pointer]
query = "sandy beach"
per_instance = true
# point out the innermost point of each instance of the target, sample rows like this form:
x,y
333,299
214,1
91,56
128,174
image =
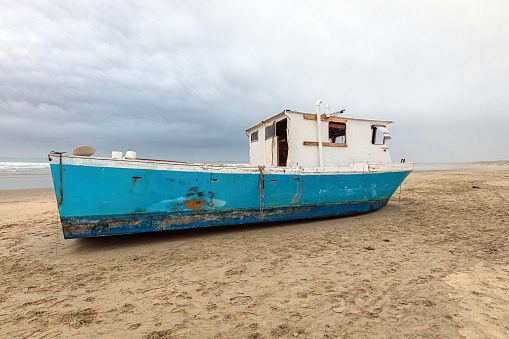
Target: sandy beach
x,y
433,263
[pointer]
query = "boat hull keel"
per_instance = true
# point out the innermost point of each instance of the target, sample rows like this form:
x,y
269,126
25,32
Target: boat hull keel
x,y
104,225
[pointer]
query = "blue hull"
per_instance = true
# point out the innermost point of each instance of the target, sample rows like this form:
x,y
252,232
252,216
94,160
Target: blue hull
x,y
98,201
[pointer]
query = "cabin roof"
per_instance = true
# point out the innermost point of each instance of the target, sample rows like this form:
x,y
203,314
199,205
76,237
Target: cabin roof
x,y
269,118
291,111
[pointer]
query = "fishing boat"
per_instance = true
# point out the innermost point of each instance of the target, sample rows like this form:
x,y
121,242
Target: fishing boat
x,y
301,165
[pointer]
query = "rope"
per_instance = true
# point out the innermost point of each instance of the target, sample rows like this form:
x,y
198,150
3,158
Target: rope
x,y
261,191
56,241
60,180
61,195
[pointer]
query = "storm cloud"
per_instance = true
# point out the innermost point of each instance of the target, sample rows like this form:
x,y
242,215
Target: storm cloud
x,y
183,80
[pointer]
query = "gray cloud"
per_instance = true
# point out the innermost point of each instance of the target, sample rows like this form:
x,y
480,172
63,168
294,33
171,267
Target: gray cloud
x,y
183,80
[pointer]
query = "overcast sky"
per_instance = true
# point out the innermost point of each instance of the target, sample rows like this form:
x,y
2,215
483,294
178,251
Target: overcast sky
x,y
182,80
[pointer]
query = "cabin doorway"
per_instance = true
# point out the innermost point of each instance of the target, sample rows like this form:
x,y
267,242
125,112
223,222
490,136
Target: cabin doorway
x,y
282,142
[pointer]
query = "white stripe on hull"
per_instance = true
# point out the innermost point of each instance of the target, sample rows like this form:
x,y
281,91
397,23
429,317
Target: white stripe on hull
x,y
162,165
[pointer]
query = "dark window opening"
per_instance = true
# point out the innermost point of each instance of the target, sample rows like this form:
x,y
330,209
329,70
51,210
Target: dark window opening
x,y
377,137
337,132
254,136
269,131
282,142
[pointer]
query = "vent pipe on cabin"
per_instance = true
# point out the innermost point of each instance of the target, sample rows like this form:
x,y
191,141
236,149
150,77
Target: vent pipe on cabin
x,y
319,131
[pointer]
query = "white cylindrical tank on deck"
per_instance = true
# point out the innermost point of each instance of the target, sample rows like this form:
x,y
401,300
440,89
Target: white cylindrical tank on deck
x,y
130,155
116,155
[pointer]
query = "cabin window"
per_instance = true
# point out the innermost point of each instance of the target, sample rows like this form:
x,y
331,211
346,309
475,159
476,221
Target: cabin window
x,y
379,135
377,138
254,136
337,132
270,131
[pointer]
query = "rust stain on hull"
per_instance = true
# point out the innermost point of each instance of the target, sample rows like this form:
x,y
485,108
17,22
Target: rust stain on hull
x,y
195,204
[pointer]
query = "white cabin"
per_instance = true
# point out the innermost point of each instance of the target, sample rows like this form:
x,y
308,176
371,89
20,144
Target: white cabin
x,y
290,139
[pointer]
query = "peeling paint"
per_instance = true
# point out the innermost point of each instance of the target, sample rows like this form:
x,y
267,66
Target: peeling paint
x,y
93,226
195,204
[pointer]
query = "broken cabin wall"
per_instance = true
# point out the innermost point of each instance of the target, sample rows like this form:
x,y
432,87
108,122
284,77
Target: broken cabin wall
x,y
264,151
271,143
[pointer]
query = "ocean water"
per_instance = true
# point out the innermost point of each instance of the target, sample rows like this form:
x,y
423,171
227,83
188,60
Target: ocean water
x,y
19,173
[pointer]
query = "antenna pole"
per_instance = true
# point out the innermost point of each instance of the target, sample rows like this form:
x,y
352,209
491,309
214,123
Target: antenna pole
x,y
319,131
